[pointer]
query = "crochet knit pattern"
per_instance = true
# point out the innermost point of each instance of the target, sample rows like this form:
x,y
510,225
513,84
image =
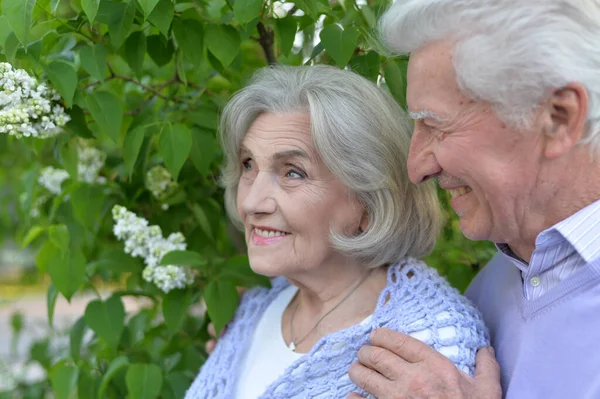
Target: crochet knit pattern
x,y
416,301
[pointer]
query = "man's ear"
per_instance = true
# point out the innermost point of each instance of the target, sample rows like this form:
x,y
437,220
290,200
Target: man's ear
x,y
567,108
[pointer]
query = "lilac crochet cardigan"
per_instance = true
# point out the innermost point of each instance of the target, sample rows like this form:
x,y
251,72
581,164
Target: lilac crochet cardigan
x,y
416,301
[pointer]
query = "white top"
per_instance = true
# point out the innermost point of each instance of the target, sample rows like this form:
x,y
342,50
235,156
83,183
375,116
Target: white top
x,y
268,356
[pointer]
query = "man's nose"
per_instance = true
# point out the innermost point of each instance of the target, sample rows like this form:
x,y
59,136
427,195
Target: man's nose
x,y
422,162
259,198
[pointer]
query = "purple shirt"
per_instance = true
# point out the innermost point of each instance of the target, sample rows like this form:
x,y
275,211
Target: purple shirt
x,y
547,344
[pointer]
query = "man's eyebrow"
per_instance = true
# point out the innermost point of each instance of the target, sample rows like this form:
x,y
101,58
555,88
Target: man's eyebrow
x,y
426,114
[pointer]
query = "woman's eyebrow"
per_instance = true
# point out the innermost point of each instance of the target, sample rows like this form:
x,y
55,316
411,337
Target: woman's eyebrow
x,y
290,154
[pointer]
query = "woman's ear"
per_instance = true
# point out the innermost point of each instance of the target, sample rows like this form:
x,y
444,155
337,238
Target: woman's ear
x,y
364,222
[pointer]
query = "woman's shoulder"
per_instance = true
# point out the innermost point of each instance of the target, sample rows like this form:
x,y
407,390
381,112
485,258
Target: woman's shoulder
x,y
423,305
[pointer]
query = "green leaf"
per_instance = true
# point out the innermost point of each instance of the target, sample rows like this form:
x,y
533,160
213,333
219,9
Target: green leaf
x,y
5,30
183,258
107,111
147,6
69,156
338,43
78,125
178,383
106,319
54,5
202,220
223,41
59,237
131,147
135,50
33,233
367,65
76,338
237,269
93,60
11,46
19,13
160,49
310,7
175,144
117,261
115,365
87,201
395,78
63,378
44,256
189,34
246,10
204,150
174,306
144,381
67,270
221,299
120,26
90,8
286,29
51,296
64,78
162,16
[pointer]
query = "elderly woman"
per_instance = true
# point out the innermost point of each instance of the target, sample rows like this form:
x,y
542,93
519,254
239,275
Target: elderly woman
x,y
315,175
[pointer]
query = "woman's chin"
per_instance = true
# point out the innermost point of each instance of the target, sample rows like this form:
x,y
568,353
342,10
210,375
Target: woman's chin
x,y
265,270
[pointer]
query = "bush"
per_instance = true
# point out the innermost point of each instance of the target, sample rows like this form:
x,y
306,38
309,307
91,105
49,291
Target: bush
x,y
121,188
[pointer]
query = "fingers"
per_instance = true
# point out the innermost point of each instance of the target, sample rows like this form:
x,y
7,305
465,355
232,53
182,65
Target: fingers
x,y
410,349
210,346
381,360
211,330
354,395
367,379
487,373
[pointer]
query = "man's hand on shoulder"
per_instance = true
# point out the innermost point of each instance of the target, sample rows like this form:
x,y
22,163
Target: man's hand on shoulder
x,y
397,366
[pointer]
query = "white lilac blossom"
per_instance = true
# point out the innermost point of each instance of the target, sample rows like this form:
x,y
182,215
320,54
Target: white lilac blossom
x,y
160,183
148,243
52,179
7,381
28,108
91,160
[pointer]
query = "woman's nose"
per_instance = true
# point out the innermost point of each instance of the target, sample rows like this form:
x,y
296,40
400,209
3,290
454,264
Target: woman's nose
x,y
259,195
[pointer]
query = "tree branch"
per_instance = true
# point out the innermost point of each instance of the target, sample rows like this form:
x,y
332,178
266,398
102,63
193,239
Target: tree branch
x,y
266,41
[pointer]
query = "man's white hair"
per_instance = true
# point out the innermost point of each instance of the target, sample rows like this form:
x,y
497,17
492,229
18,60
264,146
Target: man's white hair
x,y
509,53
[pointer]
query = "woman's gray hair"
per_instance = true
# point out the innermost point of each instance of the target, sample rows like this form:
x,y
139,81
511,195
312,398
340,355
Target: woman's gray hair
x,y
509,53
363,137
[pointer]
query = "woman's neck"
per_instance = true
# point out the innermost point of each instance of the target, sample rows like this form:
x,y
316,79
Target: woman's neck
x,y
352,289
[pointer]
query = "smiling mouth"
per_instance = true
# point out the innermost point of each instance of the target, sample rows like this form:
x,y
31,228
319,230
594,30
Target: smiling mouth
x,y
458,192
269,233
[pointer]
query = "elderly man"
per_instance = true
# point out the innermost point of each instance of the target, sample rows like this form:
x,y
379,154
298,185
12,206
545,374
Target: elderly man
x,y
506,100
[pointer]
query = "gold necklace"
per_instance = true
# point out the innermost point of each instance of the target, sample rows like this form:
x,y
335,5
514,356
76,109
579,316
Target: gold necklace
x,y
293,342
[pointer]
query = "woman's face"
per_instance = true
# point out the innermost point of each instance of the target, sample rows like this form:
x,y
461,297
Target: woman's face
x,y
289,200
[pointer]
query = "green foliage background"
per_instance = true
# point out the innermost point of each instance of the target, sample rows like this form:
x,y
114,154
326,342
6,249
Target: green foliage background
x,y
145,80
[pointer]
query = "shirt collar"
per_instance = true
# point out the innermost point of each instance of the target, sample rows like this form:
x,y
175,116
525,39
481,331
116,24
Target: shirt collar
x,y
581,231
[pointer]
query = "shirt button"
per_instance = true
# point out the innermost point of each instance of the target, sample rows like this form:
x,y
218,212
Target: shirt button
x,y
535,281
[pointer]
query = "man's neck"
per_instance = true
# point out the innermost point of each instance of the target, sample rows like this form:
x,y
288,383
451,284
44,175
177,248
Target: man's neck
x,y
575,186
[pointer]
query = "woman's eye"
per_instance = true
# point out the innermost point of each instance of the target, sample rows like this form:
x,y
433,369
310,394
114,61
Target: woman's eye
x,y
294,174
246,165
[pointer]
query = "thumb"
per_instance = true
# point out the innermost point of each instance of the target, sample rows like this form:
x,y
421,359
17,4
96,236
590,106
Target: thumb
x,y
487,373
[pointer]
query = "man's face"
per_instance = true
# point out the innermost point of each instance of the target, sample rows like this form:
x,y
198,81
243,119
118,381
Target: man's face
x,y
490,169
